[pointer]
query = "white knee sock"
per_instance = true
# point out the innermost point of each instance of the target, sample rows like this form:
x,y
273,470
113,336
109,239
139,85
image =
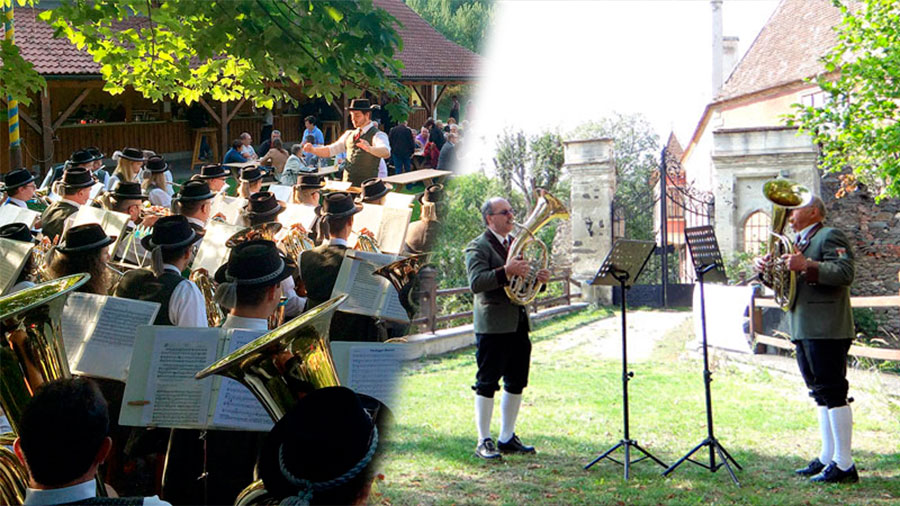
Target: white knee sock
x,y
509,410
484,408
842,427
827,452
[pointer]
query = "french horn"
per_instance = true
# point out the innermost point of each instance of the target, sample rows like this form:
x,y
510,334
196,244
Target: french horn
x,y
784,195
523,289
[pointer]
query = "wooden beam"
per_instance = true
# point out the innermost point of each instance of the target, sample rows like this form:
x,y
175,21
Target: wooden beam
x,y
69,110
235,110
872,301
856,351
210,110
223,128
425,103
24,116
77,83
47,135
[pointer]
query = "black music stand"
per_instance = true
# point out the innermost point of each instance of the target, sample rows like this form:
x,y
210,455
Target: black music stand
x,y
704,250
622,267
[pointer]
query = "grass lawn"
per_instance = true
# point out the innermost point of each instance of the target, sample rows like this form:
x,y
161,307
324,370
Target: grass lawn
x,y
572,413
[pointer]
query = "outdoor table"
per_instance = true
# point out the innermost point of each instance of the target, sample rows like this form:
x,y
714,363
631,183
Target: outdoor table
x,y
429,175
418,160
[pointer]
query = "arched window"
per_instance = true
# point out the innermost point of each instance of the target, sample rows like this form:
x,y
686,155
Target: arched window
x,y
756,232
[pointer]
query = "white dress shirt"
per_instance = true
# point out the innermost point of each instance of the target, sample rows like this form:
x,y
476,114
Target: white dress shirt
x,y
501,238
159,197
21,285
242,322
187,308
340,145
195,221
336,241
79,492
295,303
16,202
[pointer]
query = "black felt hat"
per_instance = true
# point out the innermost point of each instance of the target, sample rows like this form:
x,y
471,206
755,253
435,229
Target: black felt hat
x,y
326,435
194,190
128,190
339,205
156,164
361,104
373,189
311,182
17,232
251,174
133,154
78,177
434,193
171,232
95,152
17,178
255,263
213,171
263,204
138,284
87,237
81,156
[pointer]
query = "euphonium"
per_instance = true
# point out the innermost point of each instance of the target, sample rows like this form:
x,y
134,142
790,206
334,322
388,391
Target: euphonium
x,y
31,353
366,241
296,241
281,366
402,275
214,315
522,290
265,231
784,195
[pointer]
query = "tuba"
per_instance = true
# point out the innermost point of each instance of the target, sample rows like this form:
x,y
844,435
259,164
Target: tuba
x,y
522,290
281,366
403,275
214,315
32,353
296,241
784,195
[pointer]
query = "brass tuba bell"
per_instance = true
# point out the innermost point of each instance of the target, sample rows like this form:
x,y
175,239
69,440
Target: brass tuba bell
x,y
522,290
784,195
402,274
265,231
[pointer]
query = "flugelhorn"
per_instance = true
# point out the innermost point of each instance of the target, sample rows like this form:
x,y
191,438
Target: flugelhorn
x,y
402,274
523,289
784,195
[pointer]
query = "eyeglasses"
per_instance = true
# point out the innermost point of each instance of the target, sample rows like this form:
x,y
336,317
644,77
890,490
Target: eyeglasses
x,y
505,212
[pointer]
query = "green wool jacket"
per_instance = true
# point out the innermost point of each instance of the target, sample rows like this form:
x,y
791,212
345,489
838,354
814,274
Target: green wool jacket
x,y
822,307
54,218
493,311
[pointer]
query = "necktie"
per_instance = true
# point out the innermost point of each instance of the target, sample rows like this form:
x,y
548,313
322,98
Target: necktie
x,y
358,134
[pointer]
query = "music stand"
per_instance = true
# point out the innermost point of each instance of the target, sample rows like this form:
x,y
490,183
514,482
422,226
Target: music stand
x,y
622,267
707,260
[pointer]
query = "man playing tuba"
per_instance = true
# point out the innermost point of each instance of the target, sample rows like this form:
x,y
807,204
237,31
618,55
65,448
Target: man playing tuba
x,y
501,329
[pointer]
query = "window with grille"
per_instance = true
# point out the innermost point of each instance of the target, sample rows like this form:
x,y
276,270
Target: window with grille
x,y
756,232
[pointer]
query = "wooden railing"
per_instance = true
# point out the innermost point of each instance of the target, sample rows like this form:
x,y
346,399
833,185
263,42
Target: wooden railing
x,y
882,301
430,318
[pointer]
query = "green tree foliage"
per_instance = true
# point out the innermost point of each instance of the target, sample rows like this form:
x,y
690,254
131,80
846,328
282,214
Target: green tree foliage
x,y
254,49
465,22
525,164
637,151
17,76
857,126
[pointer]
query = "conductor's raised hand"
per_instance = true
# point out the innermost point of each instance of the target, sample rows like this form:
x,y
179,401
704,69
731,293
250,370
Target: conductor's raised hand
x,y
308,147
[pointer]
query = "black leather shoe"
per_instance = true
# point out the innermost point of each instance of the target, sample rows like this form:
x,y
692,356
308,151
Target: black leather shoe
x,y
487,450
514,445
814,467
833,474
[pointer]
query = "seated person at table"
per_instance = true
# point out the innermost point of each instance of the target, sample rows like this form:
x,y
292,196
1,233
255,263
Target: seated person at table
x,y
63,440
20,232
246,148
276,157
233,155
310,161
293,166
267,144
431,154
84,249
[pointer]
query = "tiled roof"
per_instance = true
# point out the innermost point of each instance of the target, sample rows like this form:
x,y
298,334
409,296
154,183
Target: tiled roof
x,y
427,55
787,49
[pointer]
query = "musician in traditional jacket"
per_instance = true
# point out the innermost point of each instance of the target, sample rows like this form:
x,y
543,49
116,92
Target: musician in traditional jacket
x,y
422,234
374,191
215,176
84,249
501,329
20,232
19,187
364,145
319,269
76,191
171,247
307,193
822,330
194,202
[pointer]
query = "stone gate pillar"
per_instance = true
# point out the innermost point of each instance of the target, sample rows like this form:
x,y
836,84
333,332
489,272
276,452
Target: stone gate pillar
x,y
591,165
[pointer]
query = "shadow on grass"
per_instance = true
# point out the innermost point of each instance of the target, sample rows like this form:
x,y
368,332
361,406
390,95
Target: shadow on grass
x,y
438,470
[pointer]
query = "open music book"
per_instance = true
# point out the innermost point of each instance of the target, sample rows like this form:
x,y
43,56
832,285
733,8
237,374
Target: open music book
x,y
397,199
161,390
229,207
12,261
389,225
296,213
99,332
213,252
281,192
112,222
373,369
15,214
368,294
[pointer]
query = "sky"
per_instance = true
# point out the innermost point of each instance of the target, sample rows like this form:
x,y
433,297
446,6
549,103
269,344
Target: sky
x,y
557,64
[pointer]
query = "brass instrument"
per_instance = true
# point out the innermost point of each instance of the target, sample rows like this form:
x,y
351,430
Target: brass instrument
x,y
266,231
281,366
523,289
402,275
40,261
366,241
214,315
32,353
296,241
784,195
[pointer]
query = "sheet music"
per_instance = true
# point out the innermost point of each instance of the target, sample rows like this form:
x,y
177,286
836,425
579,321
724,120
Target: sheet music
x,y
230,207
112,223
213,252
297,213
281,192
78,321
15,214
12,261
176,398
236,406
341,186
95,190
370,368
398,200
368,294
105,352
392,233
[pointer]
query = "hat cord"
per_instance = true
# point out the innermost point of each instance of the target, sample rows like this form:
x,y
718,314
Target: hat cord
x,y
307,487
